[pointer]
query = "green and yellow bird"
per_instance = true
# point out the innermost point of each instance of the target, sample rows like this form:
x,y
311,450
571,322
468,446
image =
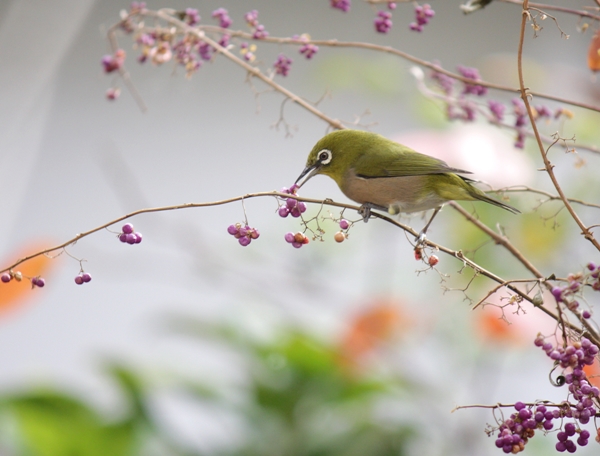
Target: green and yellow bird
x,y
382,174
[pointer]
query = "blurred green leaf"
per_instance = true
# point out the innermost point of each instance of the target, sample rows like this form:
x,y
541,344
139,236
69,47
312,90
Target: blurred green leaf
x,y
51,424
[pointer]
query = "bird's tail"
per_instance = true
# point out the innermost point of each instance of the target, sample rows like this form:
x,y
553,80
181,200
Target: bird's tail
x,y
483,197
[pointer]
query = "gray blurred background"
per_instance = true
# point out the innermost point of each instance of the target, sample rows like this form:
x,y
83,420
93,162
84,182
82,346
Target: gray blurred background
x,y
71,160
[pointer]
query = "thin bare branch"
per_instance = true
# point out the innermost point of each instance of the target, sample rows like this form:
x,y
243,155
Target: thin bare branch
x,y
547,164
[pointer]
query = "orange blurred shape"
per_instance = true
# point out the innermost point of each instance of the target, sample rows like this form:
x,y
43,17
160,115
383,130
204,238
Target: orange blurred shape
x,y
594,53
371,328
593,373
14,293
491,327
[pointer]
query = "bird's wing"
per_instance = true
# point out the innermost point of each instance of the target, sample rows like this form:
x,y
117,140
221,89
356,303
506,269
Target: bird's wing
x,y
403,162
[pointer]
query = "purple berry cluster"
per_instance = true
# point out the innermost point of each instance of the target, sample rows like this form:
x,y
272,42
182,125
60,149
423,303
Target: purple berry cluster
x,y
423,15
243,233
292,206
383,22
282,65
258,30
191,17
469,87
515,431
128,236
568,293
343,5
35,281
467,108
297,240
113,62
307,49
161,46
497,110
223,15
575,357
83,277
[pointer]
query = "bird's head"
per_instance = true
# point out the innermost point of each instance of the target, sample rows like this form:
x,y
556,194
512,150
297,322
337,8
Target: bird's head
x,y
333,155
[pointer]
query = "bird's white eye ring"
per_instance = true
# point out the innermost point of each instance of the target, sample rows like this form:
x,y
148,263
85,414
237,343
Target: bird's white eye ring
x,y
324,156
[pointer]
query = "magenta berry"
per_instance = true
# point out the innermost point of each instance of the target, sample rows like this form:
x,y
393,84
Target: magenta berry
x,y
127,228
283,211
79,279
6,277
344,224
86,277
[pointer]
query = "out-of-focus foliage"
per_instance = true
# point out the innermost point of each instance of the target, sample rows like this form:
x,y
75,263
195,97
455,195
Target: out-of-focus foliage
x,y
305,397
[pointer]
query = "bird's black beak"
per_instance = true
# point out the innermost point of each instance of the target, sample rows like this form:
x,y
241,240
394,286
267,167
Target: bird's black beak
x,y
309,172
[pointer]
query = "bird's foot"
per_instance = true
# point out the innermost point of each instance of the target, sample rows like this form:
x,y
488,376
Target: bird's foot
x,y
420,239
365,212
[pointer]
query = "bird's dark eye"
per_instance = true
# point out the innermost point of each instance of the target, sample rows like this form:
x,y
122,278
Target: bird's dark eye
x,y
324,156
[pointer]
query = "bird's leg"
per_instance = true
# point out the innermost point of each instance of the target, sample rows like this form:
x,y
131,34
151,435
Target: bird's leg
x,y
422,235
365,210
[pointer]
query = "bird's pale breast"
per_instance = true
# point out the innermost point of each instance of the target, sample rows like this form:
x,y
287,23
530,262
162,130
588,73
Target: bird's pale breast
x,y
404,194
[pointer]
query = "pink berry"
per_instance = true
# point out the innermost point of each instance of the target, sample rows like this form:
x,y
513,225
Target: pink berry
x,y
289,237
123,237
301,207
283,211
232,229
344,224
244,241
127,228
297,244
130,238
138,237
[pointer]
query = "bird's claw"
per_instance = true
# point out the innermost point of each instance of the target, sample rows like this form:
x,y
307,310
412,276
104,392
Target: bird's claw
x,y
420,239
365,212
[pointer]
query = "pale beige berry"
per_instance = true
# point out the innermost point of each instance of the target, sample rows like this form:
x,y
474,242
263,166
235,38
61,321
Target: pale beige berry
x,y
339,236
